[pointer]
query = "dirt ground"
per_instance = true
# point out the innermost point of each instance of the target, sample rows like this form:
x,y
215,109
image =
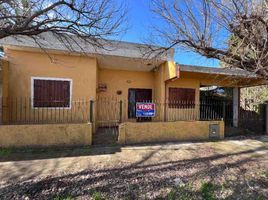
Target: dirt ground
x,y
237,168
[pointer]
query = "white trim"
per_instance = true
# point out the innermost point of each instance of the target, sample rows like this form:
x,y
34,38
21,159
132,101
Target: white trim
x,y
52,79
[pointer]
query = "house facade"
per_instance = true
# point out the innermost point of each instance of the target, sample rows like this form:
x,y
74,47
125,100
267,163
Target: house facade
x,y
103,86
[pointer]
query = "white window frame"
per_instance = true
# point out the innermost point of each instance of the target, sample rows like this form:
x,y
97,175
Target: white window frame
x,y
51,79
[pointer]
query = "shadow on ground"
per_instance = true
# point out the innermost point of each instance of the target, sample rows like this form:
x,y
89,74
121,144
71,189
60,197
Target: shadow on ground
x,y
140,180
25,154
50,153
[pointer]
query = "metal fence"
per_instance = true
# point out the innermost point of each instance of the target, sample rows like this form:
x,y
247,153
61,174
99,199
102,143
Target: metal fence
x,y
117,111
252,117
23,111
110,112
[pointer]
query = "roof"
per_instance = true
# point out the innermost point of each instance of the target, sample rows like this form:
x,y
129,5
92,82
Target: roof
x,y
75,44
217,71
225,77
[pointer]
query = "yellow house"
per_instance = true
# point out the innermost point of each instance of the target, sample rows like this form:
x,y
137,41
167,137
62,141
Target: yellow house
x,y
78,83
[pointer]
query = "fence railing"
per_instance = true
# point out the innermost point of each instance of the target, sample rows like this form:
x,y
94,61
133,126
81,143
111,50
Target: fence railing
x,y
111,112
25,111
116,111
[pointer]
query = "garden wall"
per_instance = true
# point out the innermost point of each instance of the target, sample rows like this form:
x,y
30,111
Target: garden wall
x,y
148,132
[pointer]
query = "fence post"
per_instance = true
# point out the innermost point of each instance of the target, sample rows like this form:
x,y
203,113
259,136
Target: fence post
x,y
223,111
91,111
266,118
120,110
236,106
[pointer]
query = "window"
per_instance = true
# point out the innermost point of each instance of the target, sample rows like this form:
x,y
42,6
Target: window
x,y
181,98
51,93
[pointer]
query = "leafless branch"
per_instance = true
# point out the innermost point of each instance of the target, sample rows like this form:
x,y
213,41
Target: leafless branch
x,y
233,31
90,20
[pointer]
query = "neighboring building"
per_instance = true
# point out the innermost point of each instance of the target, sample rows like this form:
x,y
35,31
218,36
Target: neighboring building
x,y
51,80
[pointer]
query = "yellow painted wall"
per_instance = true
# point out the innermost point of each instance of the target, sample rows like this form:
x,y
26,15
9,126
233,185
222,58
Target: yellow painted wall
x,y
86,74
120,80
24,64
174,114
123,80
4,89
170,70
132,133
159,84
45,135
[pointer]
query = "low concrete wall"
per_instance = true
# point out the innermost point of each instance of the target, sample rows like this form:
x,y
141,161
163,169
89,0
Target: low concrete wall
x,y
45,135
132,133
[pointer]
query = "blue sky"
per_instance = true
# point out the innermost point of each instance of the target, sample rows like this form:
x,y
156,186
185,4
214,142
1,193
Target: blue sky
x,y
140,19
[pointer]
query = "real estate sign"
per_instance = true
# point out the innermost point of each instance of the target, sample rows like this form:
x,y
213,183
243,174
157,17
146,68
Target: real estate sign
x,y
145,109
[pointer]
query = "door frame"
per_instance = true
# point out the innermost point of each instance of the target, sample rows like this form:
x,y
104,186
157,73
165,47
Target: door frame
x,y
137,89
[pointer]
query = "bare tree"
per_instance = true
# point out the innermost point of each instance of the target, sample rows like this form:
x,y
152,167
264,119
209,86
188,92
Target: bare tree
x,y
233,31
90,20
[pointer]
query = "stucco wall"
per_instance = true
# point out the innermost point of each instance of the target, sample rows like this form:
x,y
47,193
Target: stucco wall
x,y
25,64
170,70
45,135
187,113
120,80
131,133
4,88
123,80
159,78
86,75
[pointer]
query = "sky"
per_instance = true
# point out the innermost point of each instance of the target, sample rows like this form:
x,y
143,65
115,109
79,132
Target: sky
x,y
139,21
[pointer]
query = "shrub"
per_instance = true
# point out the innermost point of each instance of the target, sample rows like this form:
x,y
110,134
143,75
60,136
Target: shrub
x,y
207,191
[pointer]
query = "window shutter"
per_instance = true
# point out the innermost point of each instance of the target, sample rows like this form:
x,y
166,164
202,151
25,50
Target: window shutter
x,y
51,93
181,98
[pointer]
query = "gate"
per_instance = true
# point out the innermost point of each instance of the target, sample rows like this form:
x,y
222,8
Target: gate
x,y
108,117
252,116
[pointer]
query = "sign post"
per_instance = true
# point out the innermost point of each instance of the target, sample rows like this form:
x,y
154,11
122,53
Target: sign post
x,y
145,109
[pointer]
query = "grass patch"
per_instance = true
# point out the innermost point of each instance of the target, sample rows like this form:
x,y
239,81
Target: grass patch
x,y
5,151
65,197
41,153
207,190
114,144
97,196
181,193
266,174
260,198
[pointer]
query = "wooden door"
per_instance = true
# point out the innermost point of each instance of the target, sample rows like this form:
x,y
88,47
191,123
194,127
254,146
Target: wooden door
x,y
138,95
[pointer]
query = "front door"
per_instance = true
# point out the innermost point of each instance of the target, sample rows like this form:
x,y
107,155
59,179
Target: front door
x,y
138,95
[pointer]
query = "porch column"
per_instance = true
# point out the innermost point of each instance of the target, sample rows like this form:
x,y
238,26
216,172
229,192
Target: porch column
x,y
236,105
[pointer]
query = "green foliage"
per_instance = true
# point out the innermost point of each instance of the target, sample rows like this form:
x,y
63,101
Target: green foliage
x,y
59,197
260,198
207,191
97,196
5,151
171,195
266,174
180,193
